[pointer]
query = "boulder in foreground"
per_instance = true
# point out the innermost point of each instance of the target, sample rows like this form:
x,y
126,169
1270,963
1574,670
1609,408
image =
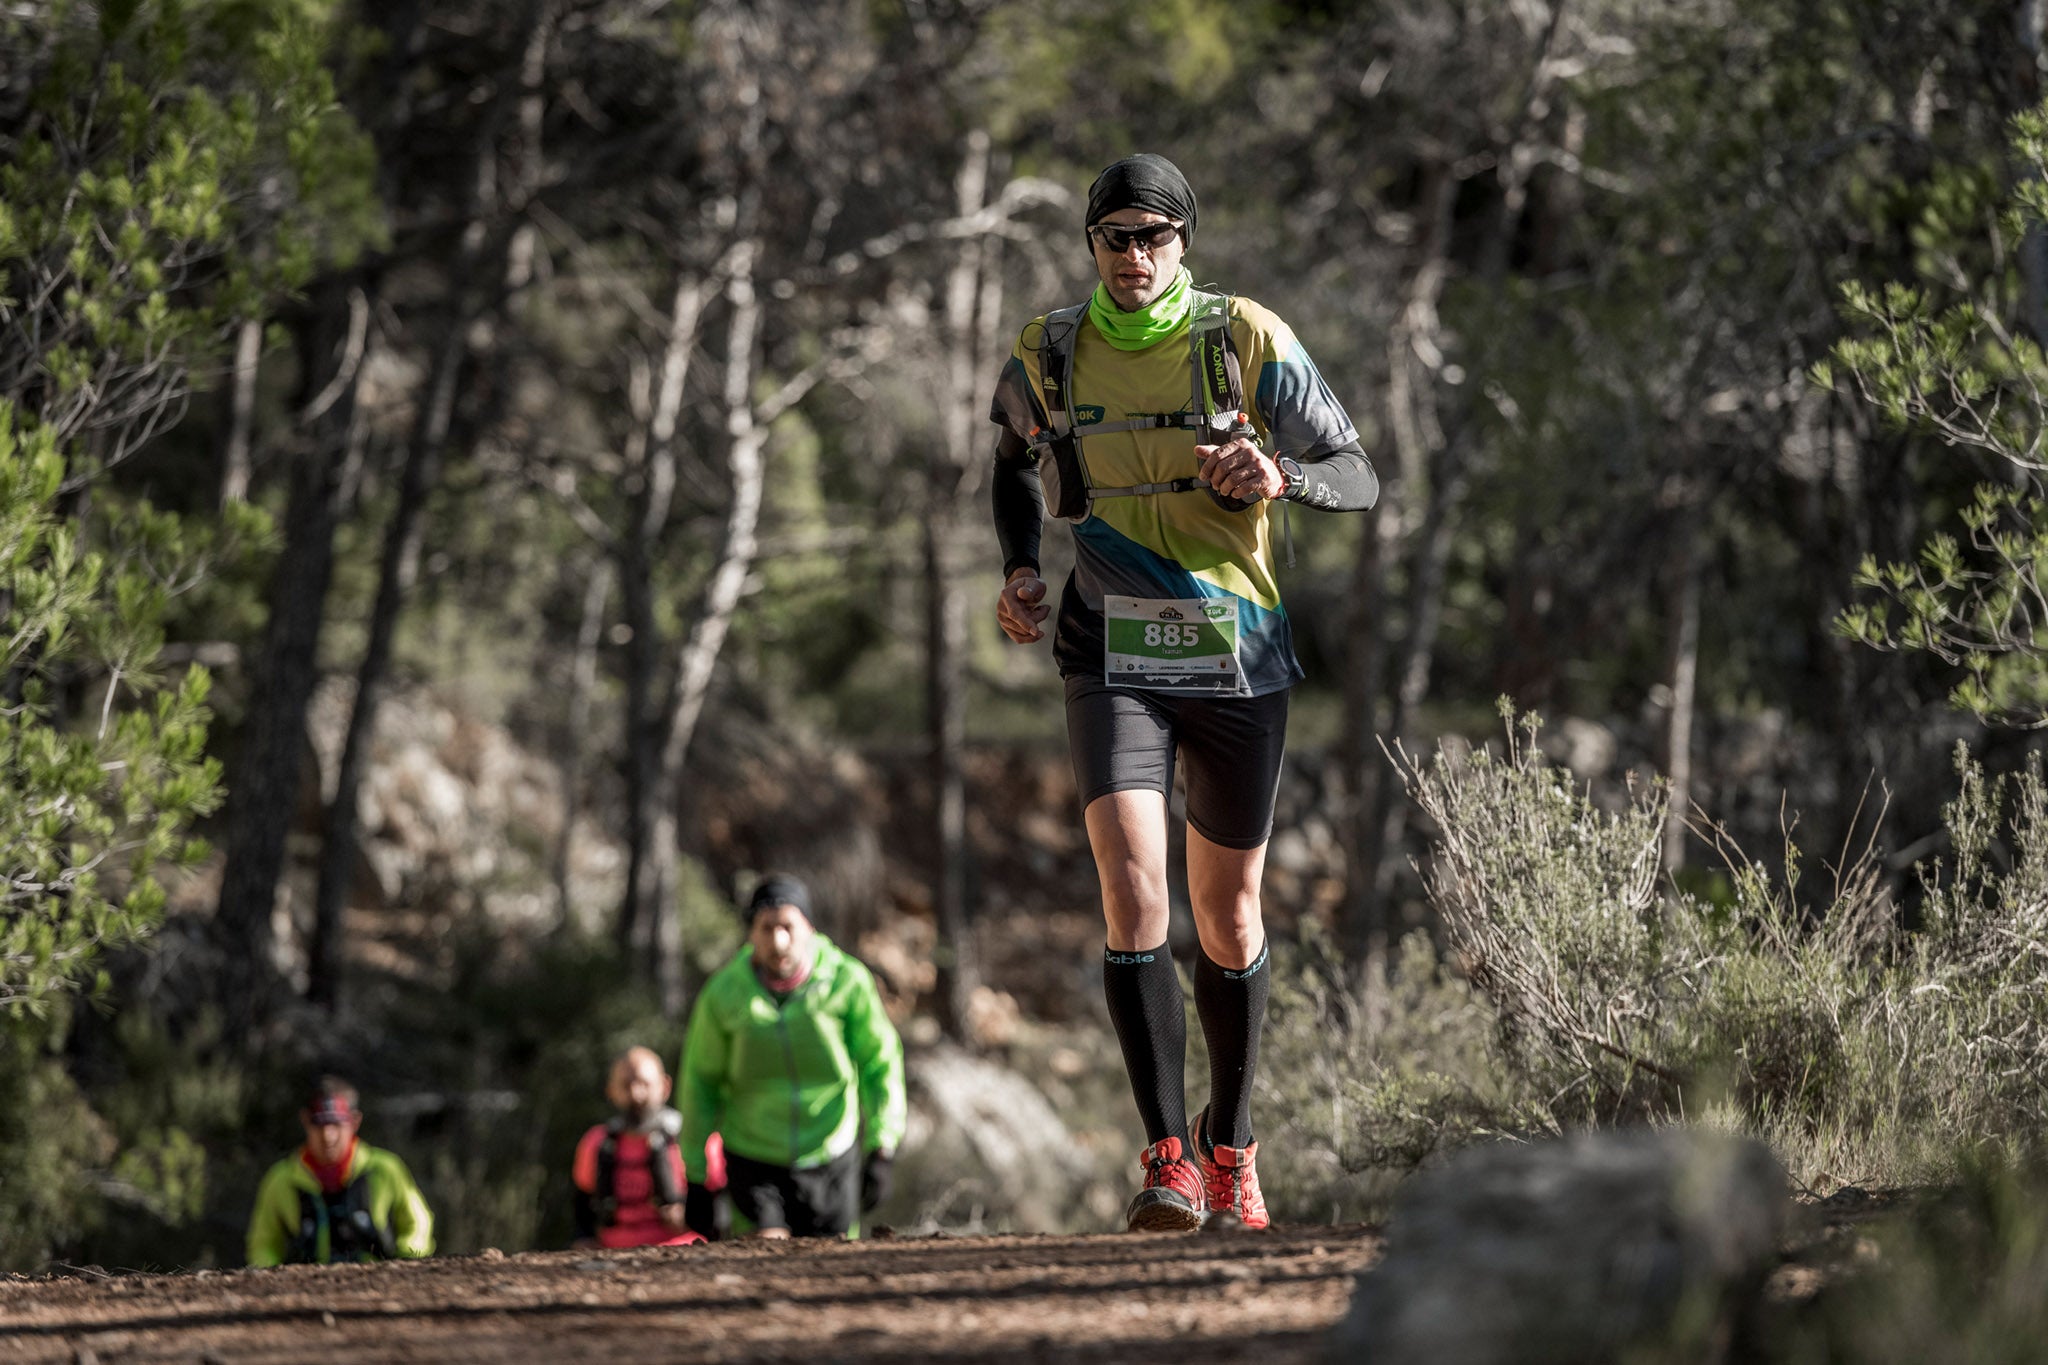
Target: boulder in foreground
x,y
1639,1245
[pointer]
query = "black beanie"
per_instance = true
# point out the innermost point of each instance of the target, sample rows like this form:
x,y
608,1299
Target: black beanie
x,y
779,888
1144,181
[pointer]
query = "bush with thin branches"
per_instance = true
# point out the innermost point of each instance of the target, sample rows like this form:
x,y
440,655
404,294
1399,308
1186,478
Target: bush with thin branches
x,y
1861,1048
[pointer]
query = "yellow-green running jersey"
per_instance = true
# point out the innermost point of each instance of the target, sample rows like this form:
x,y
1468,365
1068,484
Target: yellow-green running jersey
x,y
1176,545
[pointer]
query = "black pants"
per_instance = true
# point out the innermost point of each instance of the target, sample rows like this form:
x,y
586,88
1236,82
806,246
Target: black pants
x,y
816,1201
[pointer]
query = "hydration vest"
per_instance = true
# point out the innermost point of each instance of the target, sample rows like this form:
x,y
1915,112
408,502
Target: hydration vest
x,y
339,1227
605,1198
1215,411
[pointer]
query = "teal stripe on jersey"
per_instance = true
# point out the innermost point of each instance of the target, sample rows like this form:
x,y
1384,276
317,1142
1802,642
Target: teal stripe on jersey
x,y
1108,562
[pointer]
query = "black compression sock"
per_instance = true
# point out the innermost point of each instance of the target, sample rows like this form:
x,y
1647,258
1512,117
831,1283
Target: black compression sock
x,y
1143,991
1232,1007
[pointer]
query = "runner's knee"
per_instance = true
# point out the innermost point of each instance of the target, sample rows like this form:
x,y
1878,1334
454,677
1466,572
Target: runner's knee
x,y
1134,906
1233,943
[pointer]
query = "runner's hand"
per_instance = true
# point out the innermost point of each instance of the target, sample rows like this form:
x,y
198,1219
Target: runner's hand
x,y
1238,469
1022,606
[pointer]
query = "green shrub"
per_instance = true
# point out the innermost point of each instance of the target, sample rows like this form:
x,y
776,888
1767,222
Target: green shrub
x,y
50,1142
94,806
1550,907
1861,1050
1354,1093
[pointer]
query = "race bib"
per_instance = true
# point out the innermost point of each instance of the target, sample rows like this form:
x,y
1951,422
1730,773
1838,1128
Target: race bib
x,y
1185,644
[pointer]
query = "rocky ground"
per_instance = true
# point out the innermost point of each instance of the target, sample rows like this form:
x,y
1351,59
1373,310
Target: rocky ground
x,y
1265,1297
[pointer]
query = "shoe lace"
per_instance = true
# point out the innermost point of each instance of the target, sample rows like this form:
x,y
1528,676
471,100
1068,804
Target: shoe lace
x,y
1159,1170
1226,1185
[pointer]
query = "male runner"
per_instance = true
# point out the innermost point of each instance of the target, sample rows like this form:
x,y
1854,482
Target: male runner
x,y
337,1199
630,1187
792,1060
1171,637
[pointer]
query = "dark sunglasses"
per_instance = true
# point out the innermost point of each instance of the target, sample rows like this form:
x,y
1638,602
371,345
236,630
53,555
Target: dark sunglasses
x,y
1117,240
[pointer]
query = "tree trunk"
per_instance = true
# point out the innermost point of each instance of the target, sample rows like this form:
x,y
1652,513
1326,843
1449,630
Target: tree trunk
x,y
945,734
1415,358
1428,465
1366,929
333,342
1685,667
264,797
968,290
1428,573
421,475
234,476
582,685
2027,26
652,457
398,572
1517,158
746,437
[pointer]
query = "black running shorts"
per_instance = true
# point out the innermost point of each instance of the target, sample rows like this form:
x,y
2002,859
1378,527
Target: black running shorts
x,y
1125,738
815,1201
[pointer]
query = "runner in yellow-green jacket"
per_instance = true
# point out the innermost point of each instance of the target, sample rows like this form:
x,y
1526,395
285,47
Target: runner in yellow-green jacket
x,y
336,1198
793,1061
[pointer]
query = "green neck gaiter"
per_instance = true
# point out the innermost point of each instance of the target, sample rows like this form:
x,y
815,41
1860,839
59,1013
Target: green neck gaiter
x,y
1153,323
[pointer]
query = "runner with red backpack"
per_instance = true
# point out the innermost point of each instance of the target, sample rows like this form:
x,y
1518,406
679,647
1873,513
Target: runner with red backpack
x,y
631,1190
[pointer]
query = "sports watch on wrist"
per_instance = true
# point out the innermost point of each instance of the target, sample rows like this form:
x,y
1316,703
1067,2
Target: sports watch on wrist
x,y
1290,470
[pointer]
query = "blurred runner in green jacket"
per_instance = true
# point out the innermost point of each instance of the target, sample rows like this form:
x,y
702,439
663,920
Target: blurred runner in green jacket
x,y
793,1061
338,1199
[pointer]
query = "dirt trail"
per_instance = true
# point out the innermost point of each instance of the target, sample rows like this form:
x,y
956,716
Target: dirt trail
x,y
1264,1297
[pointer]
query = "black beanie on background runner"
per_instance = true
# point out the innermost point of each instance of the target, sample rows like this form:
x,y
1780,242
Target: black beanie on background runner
x,y
1144,181
781,889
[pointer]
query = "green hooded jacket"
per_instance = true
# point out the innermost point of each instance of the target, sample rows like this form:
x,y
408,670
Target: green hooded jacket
x,y
290,1222
797,1082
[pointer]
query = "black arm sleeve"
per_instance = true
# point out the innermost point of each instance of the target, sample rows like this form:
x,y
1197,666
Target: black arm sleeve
x,y
1019,502
1341,481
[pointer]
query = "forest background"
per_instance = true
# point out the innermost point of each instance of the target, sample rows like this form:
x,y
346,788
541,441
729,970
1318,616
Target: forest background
x,y
479,482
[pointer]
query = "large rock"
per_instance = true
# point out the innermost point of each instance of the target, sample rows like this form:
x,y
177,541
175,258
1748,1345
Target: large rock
x,y
986,1151
1640,1245
456,814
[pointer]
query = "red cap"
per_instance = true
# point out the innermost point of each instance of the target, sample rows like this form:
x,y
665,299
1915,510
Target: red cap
x,y
331,1109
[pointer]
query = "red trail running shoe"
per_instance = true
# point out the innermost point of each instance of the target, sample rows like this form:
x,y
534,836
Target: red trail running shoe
x,y
1172,1198
1230,1183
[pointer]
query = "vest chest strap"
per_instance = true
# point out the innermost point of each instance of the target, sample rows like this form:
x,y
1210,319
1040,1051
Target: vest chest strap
x,y
1218,426
1184,485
